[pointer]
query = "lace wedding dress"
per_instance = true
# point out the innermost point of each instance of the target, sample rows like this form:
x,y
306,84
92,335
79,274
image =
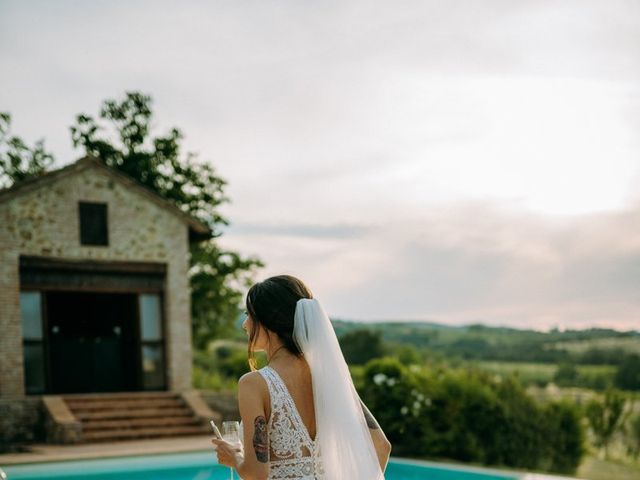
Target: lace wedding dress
x,y
293,455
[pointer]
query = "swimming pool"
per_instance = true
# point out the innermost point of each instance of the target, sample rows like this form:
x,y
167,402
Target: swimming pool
x,y
202,466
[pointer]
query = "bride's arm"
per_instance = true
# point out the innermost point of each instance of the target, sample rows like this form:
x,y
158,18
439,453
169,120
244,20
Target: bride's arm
x,y
380,442
251,393
254,465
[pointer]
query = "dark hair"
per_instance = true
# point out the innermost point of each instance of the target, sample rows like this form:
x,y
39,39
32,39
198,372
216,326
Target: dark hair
x,y
272,305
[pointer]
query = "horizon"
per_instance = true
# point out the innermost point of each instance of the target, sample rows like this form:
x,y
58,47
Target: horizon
x,y
437,324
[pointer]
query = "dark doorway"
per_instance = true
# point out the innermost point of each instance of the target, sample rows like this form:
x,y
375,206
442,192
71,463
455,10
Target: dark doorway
x,y
92,341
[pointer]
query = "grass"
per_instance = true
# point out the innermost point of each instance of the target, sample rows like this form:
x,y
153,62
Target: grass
x,y
542,373
593,468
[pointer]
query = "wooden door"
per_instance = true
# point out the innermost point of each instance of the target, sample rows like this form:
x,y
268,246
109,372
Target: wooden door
x,y
92,341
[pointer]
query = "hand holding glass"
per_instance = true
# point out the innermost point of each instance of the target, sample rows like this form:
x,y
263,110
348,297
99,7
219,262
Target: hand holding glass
x,y
231,433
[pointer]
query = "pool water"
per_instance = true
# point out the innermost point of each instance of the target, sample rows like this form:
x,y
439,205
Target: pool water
x,y
203,466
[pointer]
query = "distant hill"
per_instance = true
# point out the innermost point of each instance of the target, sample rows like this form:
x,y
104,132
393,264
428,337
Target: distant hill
x,y
592,346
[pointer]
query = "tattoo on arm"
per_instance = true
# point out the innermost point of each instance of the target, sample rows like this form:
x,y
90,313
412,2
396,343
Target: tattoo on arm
x,y
260,439
371,421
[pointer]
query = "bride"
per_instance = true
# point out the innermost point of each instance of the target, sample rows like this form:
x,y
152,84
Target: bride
x,y
302,417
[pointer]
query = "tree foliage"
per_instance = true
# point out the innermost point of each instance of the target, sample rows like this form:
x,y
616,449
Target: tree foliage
x,y
155,162
18,161
360,346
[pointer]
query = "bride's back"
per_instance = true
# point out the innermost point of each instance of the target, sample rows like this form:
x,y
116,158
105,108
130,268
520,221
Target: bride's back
x,y
296,377
293,446
291,327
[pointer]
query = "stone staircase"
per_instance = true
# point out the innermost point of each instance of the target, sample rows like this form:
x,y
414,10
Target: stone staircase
x,y
137,415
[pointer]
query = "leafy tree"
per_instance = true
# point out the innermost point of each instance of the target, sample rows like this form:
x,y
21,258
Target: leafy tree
x,y
360,346
121,138
605,417
628,373
18,161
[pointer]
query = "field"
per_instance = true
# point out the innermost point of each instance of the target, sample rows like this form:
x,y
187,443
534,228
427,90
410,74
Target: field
x,y
621,344
542,373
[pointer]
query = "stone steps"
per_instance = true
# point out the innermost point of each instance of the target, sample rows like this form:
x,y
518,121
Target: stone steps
x,y
89,397
122,405
97,425
135,415
140,433
131,413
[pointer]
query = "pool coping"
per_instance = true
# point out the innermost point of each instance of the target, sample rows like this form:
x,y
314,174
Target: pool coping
x,y
521,475
42,453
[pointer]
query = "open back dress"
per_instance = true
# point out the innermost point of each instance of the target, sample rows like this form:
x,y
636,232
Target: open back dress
x,y
293,454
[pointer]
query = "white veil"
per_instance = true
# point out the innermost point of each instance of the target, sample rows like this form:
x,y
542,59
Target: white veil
x,y
346,448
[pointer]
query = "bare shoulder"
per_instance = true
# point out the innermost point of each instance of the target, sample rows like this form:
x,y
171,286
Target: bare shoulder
x,y
252,381
253,392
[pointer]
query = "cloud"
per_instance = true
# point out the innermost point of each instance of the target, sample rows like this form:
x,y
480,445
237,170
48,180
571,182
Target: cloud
x,y
458,161
300,230
473,262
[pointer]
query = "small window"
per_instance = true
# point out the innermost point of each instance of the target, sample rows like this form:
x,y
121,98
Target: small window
x,y
151,341
31,315
93,224
32,342
150,317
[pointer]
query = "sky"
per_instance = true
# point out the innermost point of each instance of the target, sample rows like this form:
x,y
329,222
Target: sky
x,y
457,162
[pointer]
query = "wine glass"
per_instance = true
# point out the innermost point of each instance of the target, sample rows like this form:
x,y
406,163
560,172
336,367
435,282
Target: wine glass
x,y
231,433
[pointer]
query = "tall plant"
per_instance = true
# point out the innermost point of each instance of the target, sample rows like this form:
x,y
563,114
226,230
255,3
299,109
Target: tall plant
x,y
605,417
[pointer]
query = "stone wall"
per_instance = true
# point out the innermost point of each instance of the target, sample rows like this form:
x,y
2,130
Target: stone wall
x,y
21,423
45,222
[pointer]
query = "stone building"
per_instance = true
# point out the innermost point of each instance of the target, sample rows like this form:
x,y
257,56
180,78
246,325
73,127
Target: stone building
x,y
94,288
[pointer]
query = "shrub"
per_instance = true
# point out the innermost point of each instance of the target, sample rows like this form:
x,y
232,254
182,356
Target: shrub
x,y
628,373
395,397
234,365
470,416
219,369
563,437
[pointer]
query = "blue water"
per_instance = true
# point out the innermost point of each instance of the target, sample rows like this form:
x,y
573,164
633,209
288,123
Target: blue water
x,y
203,466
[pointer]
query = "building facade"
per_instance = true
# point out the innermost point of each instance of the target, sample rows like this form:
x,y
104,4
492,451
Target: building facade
x,y
94,287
